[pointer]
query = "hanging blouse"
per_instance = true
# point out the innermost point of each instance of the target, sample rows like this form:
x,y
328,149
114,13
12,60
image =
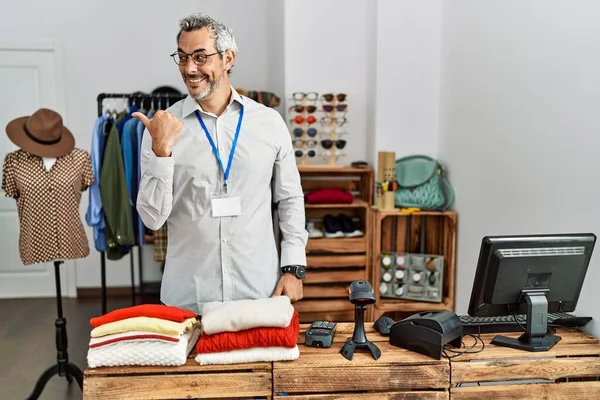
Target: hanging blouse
x,y
48,204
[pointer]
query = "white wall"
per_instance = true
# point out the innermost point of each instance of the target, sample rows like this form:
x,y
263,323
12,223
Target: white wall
x,y
519,124
116,46
407,75
330,57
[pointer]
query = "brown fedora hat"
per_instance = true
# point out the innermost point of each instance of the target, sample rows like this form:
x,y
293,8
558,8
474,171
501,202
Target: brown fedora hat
x,y
42,134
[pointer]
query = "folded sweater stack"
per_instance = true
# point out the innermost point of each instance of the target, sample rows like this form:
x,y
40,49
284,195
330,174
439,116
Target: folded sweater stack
x,y
148,334
243,331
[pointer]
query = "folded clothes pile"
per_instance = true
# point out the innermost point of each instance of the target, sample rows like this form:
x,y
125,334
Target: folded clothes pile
x,y
148,334
244,331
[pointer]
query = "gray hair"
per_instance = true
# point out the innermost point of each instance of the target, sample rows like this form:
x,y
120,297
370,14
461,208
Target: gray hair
x,y
223,35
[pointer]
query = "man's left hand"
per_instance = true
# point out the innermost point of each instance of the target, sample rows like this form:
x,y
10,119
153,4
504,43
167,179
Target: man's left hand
x,y
290,286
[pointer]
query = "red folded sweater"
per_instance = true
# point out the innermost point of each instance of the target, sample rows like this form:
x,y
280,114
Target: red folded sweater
x,y
254,337
169,313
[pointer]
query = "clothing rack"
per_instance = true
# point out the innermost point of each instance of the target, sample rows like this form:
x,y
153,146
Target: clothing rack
x,y
156,101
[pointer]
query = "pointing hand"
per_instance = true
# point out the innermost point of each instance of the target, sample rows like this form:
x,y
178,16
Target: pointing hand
x,y
164,128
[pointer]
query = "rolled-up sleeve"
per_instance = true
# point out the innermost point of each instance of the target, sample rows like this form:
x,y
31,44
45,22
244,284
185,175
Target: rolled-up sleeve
x,y
155,194
287,193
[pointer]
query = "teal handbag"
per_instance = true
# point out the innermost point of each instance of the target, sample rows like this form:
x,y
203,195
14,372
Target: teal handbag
x,y
422,183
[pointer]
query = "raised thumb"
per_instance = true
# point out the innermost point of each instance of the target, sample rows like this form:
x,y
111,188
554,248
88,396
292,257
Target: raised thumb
x,y
142,118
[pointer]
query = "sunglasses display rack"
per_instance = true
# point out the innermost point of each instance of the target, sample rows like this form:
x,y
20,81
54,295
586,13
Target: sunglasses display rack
x,y
316,122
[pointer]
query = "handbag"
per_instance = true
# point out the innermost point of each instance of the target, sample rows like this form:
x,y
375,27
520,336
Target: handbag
x,y
422,183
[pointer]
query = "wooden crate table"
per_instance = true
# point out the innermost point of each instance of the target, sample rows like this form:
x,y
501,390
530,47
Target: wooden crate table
x,y
325,374
570,369
189,381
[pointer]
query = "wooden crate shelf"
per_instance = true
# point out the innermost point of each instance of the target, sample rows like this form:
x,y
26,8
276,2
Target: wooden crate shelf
x,y
333,263
440,238
337,245
357,203
323,373
189,381
570,370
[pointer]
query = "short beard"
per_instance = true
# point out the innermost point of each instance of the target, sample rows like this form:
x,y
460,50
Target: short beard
x,y
212,86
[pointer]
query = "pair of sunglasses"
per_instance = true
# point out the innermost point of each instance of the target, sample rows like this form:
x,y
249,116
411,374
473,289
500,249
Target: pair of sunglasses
x,y
330,96
310,143
329,154
311,96
299,119
328,143
338,107
339,121
300,109
298,132
299,153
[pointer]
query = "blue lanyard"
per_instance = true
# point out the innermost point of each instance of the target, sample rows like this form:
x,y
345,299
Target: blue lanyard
x,y
216,151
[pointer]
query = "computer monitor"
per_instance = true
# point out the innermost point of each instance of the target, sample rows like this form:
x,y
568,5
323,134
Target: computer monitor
x,y
531,275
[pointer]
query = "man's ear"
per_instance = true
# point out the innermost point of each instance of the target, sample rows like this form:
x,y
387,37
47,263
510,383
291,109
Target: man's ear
x,y
228,59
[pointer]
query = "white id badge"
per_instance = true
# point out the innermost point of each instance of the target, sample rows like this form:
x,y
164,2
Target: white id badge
x,y
226,206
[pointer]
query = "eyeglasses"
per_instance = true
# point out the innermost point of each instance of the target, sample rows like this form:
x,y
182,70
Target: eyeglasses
x,y
328,143
299,153
299,96
329,154
330,96
300,119
325,121
198,57
338,107
299,109
298,132
299,143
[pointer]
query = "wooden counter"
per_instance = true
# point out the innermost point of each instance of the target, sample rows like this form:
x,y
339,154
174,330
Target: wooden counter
x,y
325,374
569,370
190,381
317,374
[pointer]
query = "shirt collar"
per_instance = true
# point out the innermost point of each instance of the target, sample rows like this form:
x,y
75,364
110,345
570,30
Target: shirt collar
x,y
190,105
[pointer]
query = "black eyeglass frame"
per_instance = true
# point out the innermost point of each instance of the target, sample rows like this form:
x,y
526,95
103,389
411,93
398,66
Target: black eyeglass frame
x,y
205,56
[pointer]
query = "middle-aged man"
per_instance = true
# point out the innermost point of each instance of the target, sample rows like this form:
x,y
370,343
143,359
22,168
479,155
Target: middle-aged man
x,y
212,164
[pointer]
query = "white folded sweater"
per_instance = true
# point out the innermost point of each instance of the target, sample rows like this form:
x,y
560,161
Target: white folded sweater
x,y
254,354
238,315
140,352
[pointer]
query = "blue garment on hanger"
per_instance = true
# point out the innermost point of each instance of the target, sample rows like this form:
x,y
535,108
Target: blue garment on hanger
x,y
94,216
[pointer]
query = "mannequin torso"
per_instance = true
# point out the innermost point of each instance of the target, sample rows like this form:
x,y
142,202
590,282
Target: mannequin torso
x,y
48,192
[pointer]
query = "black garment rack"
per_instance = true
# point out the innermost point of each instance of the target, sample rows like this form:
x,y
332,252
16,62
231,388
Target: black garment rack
x,y
157,101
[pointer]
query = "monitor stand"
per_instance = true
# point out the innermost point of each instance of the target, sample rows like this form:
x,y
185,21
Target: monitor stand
x,y
536,337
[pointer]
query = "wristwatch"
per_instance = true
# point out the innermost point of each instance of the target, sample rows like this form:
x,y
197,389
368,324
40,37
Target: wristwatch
x,y
298,270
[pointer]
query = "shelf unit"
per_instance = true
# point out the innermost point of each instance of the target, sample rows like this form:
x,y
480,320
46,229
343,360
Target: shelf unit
x,y
333,263
439,238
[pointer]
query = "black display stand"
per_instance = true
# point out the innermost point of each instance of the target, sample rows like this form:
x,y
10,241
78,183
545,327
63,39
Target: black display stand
x,y
62,367
536,337
359,338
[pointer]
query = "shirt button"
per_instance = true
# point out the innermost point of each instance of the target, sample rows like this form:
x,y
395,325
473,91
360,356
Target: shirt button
x,y
225,240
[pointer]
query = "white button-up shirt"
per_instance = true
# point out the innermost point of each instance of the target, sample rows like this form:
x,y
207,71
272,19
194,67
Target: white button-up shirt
x,y
224,258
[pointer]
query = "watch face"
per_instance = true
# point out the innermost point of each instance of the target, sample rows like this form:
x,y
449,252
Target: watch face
x,y
301,272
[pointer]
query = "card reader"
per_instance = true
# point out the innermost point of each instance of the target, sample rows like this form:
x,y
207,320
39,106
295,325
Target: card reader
x,y
320,334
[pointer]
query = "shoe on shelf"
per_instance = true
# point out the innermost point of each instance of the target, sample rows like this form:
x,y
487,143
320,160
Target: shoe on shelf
x,y
349,227
333,227
313,231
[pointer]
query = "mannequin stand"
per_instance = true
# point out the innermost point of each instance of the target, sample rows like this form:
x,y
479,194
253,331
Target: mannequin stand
x,y
63,367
